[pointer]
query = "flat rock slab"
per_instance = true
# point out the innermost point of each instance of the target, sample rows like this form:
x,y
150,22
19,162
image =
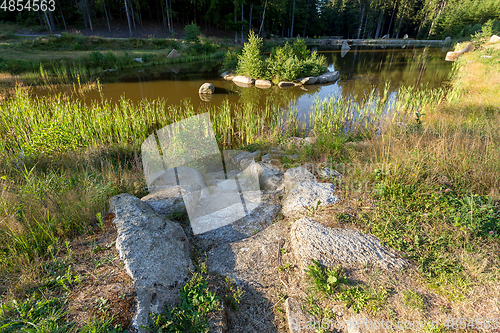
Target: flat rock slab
x,y
306,195
166,201
155,251
257,220
333,246
294,175
243,81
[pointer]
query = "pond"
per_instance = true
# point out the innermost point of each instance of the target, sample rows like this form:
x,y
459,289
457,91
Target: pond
x,y
361,70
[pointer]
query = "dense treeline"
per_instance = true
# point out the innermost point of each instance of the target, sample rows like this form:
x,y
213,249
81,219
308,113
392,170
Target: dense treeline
x,y
286,18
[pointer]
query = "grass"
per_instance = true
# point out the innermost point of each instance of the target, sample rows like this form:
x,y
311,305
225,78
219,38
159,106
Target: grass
x,y
429,160
63,59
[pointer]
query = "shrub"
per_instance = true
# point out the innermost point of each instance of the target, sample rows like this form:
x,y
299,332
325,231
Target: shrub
x,y
250,62
192,32
230,60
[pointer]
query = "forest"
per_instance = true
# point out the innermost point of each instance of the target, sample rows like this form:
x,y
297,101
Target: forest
x,y
423,19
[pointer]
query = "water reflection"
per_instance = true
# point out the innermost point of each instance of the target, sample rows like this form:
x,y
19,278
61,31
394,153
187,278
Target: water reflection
x,y
362,69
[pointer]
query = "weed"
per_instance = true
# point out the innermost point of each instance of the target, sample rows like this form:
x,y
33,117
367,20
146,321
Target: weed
x,y
325,280
196,302
285,267
233,293
413,299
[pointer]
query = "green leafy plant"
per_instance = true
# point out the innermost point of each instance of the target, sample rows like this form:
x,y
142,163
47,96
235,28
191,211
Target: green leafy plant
x,y
325,280
190,316
234,293
355,297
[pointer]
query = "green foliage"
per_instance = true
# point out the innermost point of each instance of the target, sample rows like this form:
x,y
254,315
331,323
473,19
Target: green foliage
x,y
294,60
355,297
250,62
230,61
192,32
325,280
413,299
52,137
233,293
32,315
190,316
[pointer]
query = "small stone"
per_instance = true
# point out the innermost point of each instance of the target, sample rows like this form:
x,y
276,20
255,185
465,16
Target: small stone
x,y
295,316
308,80
285,84
329,173
263,84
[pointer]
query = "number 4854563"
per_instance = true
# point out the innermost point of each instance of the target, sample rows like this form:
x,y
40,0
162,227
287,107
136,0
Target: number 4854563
x,y
34,5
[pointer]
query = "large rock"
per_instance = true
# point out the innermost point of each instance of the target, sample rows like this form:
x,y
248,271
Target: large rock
x,y
243,81
188,177
452,56
270,179
257,219
166,201
306,195
294,175
263,84
328,77
173,54
494,39
308,80
155,251
311,240
206,88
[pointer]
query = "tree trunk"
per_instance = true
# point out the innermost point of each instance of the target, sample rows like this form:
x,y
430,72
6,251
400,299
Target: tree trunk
x,y
132,13
170,17
250,18
64,22
88,14
379,25
362,10
40,19
306,18
106,12
235,21
431,30
392,17
47,21
263,17
366,24
51,19
128,18
293,19
242,18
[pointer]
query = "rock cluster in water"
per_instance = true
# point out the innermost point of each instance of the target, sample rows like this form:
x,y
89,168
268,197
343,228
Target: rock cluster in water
x,y
246,81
